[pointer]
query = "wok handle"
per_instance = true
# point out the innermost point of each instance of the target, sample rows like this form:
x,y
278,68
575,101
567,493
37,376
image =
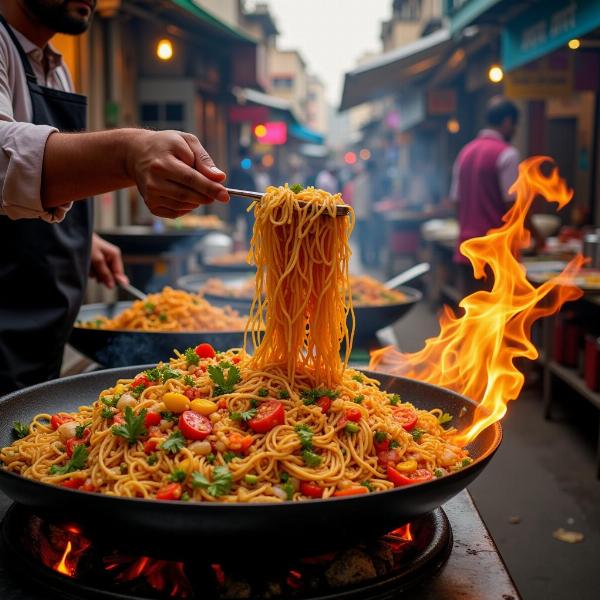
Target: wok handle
x,y
408,275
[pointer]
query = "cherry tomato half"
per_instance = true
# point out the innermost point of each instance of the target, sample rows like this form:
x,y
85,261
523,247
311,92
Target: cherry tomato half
x,y
57,420
400,479
406,416
194,426
205,351
312,490
169,492
71,444
353,414
151,419
269,414
324,403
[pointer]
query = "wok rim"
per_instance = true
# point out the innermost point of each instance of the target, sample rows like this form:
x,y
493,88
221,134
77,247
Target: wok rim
x,y
473,468
101,305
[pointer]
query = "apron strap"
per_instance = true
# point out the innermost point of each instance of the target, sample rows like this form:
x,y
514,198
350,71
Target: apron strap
x,y
31,77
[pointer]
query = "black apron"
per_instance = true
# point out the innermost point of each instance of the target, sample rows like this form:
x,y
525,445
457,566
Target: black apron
x,y
43,267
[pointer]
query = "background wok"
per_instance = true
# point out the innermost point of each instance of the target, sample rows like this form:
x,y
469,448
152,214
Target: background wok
x,y
122,348
274,528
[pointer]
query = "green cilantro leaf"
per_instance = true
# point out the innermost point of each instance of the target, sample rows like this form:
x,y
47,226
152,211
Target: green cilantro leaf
x,y
380,437
283,394
167,415
107,413
244,416
76,463
133,428
152,459
223,384
262,393
394,444
367,484
358,378
438,473
20,429
305,433
394,399
149,307
229,456
311,396
80,429
296,188
417,434
189,380
219,485
191,358
359,399
174,443
178,475
311,459
163,317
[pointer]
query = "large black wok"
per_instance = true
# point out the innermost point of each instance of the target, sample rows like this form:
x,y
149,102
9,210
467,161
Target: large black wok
x,y
274,528
120,348
369,319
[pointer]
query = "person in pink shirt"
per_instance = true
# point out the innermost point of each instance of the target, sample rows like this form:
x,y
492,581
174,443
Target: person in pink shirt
x,y
483,172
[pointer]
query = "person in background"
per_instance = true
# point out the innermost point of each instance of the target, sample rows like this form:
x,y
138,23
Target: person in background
x,y
361,202
327,180
48,170
482,175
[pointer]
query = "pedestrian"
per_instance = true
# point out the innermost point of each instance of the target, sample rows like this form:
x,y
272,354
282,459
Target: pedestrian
x,y
482,175
327,180
48,168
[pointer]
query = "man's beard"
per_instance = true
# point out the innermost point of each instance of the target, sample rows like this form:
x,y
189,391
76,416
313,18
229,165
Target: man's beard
x,y
58,16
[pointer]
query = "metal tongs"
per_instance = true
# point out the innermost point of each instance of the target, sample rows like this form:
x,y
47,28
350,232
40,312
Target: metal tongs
x,y
135,292
341,210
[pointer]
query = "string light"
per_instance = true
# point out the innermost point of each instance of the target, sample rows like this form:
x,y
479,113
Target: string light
x,y
164,49
574,43
495,74
453,125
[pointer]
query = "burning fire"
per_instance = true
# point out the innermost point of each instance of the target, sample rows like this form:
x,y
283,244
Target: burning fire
x,y
62,566
404,533
475,354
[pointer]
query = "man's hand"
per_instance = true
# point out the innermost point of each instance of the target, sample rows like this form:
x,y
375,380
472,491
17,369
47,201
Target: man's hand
x,y
107,264
173,172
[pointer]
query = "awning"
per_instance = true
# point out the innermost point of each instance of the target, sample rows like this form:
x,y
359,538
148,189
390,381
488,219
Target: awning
x,y
389,73
304,134
251,96
215,23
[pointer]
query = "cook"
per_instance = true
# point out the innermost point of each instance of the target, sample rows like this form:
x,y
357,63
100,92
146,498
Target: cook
x,y
48,171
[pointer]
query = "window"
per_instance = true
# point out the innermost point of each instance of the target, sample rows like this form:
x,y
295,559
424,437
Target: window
x,y
174,111
149,112
283,83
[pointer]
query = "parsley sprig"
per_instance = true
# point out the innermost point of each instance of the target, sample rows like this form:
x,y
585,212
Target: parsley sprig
x,y
191,358
305,433
311,396
219,484
133,428
75,463
162,374
224,384
174,443
20,429
244,415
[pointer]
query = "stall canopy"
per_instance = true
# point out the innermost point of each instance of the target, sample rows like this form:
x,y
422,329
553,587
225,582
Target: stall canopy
x,y
390,72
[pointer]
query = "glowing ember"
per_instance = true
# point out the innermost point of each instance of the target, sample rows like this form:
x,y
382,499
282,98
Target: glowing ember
x,y
475,354
404,533
162,575
62,566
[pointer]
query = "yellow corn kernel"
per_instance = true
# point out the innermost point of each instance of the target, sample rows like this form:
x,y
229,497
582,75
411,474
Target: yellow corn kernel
x,y
203,406
407,466
119,388
176,402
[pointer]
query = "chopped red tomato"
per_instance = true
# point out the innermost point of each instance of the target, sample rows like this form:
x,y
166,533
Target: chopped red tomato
x,y
324,403
74,483
383,444
151,419
312,490
353,414
205,351
400,479
239,443
352,491
172,491
140,380
57,420
150,446
88,486
268,415
194,426
406,416
388,457
222,403
72,443
235,360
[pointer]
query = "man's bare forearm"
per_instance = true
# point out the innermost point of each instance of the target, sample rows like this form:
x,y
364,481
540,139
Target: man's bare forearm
x,y
171,169
79,165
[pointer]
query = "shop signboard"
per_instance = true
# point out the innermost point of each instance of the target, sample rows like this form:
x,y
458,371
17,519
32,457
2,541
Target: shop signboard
x,y
411,109
551,76
535,33
441,102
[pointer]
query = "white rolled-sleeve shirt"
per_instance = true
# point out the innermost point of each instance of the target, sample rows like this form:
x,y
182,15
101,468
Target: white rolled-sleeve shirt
x,y
22,144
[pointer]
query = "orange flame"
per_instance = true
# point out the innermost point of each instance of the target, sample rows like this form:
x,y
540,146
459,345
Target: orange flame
x,y
475,354
62,566
404,533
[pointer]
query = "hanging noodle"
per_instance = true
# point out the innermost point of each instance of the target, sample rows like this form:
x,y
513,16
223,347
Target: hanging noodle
x,y
291,422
